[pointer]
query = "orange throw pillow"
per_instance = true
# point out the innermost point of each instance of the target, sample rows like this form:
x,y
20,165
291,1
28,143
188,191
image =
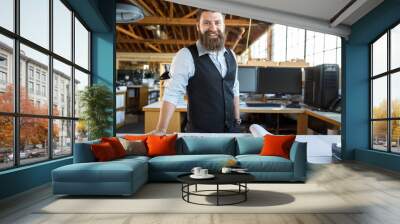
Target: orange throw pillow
x,y
136,137
116,145
161,145
277,145
103,151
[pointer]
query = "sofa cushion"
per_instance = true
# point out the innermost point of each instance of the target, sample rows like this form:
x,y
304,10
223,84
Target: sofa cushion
x,y
112,171
83,152
161,145
277,145
257,163
198,145
132,158
249,145
116,145
185,163
134,147
136,137
103,152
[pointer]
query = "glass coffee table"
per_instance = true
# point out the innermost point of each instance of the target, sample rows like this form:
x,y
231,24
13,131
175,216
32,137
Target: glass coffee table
x,y
238,179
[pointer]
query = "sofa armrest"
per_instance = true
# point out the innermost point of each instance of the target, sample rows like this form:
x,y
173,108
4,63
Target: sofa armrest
x,y
298,155
83,152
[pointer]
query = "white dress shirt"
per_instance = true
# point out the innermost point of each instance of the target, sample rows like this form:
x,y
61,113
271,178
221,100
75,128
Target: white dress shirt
x,y
182,69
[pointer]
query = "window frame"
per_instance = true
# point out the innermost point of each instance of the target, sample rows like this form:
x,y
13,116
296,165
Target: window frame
x,y
15,68
388,74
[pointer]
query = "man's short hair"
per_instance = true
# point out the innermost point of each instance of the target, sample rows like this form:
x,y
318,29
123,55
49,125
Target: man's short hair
x,y
198,14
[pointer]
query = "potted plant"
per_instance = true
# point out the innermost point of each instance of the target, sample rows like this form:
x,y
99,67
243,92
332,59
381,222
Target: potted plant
x,y
96,104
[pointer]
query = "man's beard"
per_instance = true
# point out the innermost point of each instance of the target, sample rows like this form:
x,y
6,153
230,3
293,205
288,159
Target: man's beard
x,y
212,43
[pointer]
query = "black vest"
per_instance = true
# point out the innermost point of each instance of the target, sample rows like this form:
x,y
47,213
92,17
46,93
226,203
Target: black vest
x,y
210,106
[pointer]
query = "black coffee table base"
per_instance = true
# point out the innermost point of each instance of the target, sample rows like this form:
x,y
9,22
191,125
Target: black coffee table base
x,y
241,191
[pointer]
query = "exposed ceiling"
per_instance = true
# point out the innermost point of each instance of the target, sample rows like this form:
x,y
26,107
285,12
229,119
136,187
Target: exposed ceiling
x,y
169,26
328,16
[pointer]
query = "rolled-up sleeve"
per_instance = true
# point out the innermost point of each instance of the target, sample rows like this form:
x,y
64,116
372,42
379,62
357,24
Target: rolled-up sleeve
x,y
182,68
235,89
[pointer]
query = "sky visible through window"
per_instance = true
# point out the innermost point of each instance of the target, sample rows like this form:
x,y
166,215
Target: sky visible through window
x,y
30,18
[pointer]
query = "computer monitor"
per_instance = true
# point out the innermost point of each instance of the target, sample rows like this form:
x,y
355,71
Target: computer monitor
x,y
123,74
279,80
247,77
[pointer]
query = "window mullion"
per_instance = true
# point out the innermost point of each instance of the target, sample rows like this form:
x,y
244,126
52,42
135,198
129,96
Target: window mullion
x,y
389,106
73,82
50,81
16,84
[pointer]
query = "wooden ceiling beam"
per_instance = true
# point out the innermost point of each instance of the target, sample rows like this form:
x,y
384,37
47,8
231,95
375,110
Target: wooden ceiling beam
x,y
189,32
181,32
128,33
239,37
154,20
190,14
134,36
144,5
182,10
171,10
164,41
157,7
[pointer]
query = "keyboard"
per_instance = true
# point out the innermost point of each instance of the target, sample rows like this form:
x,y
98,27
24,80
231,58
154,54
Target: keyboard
x,y
263,105
293,105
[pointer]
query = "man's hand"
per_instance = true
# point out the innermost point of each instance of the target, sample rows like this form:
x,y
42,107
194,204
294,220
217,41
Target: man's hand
x,y
166,111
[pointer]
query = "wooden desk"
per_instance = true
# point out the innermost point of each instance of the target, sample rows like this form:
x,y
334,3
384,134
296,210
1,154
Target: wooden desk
x,y
152,111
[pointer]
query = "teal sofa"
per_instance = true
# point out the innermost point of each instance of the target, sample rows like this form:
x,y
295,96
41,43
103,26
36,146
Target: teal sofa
x,y
125,176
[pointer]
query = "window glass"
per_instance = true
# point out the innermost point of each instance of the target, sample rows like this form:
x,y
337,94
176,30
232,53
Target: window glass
x,y
81,45
81,82
379,135
395,47
7,14
319,58
395,136
6,74
34,142
379,56
319,42
62,141
330,57
278,42
379,98
259,48
62,29
395,95
39,62
6,142
62,89
330,42
81,131
34,80
34,21
295,43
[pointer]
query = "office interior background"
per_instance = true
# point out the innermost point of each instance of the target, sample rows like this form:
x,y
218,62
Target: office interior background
x,y
46,59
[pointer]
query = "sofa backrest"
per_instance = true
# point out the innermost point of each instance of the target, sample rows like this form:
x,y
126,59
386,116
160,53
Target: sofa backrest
x,y
83,153
249,145
195,145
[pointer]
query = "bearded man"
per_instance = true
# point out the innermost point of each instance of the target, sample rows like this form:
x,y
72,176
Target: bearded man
x,y
207,72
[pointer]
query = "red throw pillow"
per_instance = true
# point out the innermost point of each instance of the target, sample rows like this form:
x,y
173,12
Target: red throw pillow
x,y
116,145
136,137
103,151
277,145
161,145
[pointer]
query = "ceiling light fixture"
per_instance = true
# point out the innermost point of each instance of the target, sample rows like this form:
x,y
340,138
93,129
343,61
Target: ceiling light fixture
x,y
128,13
